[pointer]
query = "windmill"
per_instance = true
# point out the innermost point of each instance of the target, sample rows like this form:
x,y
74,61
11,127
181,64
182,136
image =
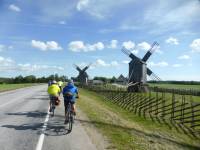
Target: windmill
x,y
138,70
83,76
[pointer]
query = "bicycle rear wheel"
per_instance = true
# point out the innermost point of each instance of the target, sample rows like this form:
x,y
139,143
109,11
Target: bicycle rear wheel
x,y
53,107
70,121
69,118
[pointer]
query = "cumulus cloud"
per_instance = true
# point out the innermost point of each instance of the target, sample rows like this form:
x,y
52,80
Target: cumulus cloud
x,y
184,57
113,44
195,45
102,63
159,64
15,8
172,40
7,64
82,4
80,46
45,46
177,65
125,61
143,46
128,45
32,68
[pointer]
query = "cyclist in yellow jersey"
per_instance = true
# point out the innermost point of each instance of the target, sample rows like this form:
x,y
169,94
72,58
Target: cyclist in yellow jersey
x,y
60,83
53,91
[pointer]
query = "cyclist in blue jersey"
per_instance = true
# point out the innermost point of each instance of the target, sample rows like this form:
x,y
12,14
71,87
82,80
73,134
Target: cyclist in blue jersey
x,y
70,93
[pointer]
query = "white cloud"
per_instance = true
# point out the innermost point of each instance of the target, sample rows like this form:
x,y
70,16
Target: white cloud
x,y
128,45
184,57
7,64
13,7
49,45
195,45
102,63
177,65
82,4
159,64
32,68
172,40
76,46
143,46
80,46
113,44
4,47
125,61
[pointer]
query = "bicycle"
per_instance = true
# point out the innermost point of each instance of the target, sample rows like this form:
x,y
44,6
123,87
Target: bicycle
x,y
54,103
69,117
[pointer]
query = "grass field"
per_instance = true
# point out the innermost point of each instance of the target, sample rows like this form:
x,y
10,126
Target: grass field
x,y
126,131
176,86
6,87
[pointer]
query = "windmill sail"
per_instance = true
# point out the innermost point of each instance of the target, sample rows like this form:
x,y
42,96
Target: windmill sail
x,y
131,55
153,75
84,69
77,68
150,51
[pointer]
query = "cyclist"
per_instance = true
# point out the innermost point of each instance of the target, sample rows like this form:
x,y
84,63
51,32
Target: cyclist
x,y
70,93
49,83
60,83
53,91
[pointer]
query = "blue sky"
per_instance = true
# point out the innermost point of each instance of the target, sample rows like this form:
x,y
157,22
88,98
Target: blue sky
x,y
46,36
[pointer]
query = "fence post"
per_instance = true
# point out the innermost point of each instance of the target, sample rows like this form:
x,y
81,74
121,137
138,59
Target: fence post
x,y
173,106
182,109
192,111
163,104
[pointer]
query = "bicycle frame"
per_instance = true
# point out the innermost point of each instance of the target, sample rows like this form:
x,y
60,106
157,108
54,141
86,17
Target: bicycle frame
x,y
69,116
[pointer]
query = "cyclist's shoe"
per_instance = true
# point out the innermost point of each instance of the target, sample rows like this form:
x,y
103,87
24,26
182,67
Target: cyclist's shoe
x,y
66,121
50,109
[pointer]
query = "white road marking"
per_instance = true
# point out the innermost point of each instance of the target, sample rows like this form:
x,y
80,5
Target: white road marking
x,y
41,138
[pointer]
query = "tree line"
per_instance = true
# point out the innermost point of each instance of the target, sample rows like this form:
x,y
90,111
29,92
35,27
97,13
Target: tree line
x,y
33,79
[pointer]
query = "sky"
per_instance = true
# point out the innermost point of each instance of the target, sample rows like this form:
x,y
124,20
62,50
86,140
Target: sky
x,y
43,37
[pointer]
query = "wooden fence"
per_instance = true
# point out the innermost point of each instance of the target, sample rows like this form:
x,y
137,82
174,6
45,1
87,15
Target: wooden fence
x,y
174,109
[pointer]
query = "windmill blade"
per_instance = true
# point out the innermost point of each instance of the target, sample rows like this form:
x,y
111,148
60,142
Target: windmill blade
x,y
131,55
153,75
84,69
77,67
150,51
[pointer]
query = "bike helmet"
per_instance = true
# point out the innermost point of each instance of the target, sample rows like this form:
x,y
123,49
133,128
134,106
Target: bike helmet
x,y
54,82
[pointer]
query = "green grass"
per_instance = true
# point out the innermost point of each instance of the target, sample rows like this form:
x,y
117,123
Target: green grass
x,y
176,86
6,87
127,131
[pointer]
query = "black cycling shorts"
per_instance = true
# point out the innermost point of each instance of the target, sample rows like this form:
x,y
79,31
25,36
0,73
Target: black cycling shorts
x,y
66,102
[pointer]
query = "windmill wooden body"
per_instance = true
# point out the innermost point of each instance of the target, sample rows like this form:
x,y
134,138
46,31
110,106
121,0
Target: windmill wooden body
x,y
82,76
138,70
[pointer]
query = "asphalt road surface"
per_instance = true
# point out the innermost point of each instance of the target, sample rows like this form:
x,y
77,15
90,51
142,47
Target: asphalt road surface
x,y
26,125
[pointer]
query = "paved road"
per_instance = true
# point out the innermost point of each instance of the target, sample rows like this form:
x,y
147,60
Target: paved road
x,y
26,125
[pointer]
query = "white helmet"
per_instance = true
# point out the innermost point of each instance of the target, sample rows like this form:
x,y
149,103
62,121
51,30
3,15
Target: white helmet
x,y
54,82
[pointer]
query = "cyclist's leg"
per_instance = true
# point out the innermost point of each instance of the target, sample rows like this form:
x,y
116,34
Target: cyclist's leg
x,y
50,103
73,107
65,105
